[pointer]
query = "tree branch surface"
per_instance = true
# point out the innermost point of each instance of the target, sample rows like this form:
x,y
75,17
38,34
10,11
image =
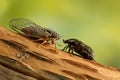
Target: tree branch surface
x,y
22,58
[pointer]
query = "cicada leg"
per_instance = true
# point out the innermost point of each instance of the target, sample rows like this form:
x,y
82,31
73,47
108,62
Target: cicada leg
x,y
53,42
44,42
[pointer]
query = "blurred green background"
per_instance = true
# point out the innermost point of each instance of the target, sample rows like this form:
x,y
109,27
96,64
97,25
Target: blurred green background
x,y
95,22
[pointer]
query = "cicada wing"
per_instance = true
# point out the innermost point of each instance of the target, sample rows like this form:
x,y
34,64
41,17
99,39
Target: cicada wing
x,y
17,24
36,32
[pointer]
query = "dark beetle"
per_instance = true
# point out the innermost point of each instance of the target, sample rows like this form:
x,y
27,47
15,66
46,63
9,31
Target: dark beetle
x,y
79,47
29,28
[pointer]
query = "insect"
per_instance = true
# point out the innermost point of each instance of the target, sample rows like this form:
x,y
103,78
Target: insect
x,y
79,47
27,27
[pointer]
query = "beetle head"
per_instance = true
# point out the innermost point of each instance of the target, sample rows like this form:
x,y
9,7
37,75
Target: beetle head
x,y
65,41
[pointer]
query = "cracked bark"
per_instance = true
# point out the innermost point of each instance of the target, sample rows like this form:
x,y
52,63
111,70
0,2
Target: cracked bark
x,y
44,62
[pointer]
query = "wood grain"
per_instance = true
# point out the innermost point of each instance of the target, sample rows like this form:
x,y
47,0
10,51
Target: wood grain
x,y
23,59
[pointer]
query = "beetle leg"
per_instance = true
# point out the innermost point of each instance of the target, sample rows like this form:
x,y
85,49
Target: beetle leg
x,y
65,48
71,50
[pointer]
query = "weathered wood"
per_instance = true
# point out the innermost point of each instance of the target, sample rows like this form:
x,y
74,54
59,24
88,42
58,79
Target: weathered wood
x,y
44,62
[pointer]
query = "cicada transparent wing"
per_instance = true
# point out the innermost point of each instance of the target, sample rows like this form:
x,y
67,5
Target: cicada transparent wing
x,y
28,28
18,24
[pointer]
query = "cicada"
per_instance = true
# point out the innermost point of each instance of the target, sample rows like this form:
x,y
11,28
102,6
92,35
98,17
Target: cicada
x,y
79,47
29,28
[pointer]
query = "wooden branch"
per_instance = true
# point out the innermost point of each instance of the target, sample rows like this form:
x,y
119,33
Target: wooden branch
x,y
22,58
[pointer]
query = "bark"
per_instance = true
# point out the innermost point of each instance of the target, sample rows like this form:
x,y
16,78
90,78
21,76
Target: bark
x,y
21,58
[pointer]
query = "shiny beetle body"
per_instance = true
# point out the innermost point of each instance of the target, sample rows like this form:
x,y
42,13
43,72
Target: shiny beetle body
x,y
79,47
29,28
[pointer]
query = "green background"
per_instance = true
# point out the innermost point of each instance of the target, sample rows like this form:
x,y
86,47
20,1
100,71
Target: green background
x,y
95,22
